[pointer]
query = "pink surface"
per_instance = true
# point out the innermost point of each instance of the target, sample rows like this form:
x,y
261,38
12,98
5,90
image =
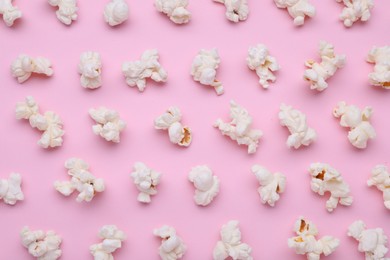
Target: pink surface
x,y
266,229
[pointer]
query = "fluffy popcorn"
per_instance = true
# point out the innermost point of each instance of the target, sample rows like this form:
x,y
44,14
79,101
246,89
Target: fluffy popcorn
x,y
206,184
358,121
318,73
258,59
112,240
90,68
306,243
174,9
236,10
24,66
108,124
136,72
325,178
380,177
67,10
49,123
298,9
10,12
172,246
239,128
372,242
82,180
271,184
146,180
355,10
116,12
230,244
41,245
295,121
380,56
170,120
10,190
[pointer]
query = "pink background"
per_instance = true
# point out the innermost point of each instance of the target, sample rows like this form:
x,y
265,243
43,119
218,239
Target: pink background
x,y
266,229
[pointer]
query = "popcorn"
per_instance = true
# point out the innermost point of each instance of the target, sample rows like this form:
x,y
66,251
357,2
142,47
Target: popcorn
x,y
116,12
230,244
170,120
108,124
358,121
239,128
380,177
295,121
172,246
40,245
298,9
325,178
236,10
136,72
49,123
67,10
264,64
10,190
174,9
10,12
371,241
112,240
306,243
381,75
90,68
206,184
271,184
318,73
146,180
24,66
204,69
355,10
82,180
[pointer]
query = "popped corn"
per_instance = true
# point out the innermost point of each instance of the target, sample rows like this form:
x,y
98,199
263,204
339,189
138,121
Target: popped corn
x,y
108,124
172,246
146,180
67,10
318,73
380,178
24,66
355,10
230,244
298,9
49,123
176,10
380,56
236,10
10,12
10,190
239,128
358,121
116,12
112,240
206,184
90,68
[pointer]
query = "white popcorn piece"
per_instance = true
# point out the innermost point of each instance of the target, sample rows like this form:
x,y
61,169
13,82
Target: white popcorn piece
x,y
230,244
298,9
318,73
204,69
116,12
136,72
372,242
10,12
236,10
380,178
146,181
325,178
172,246
24,66
41,245
206,184
380,56
67,10
306,243
176,10
355,10
49,123
358,121
170,120
112,240
90,68
82,180
295,121
239,128
271,184
108,124
10,190
259,60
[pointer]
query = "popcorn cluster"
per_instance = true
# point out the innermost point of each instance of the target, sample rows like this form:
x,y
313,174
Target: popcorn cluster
x,y
176,10
10,190
298,9
116,12
10,12
206,184
380,56
108,124
112,240
172,246
146,181
67,10
90,68
380,178
236,10
24,66
355,10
